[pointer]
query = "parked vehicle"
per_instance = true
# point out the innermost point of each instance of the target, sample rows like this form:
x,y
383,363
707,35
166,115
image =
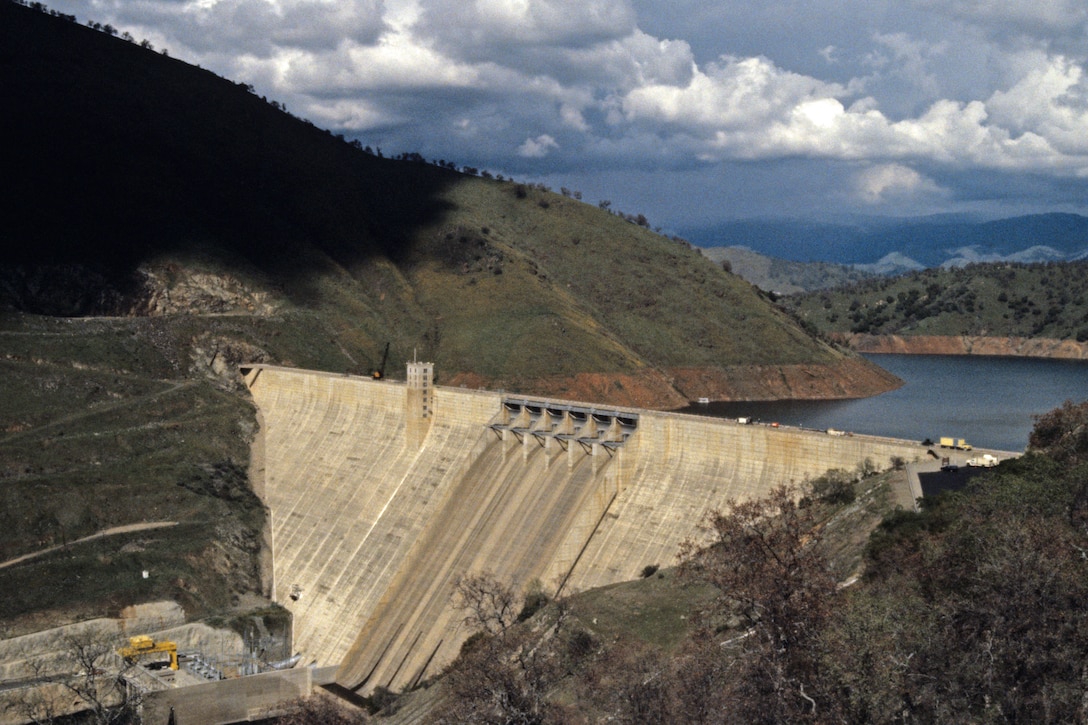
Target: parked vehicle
x,y
958,444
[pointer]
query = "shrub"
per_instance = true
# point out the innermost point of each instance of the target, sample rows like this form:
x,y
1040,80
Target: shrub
x,y
474,641
649,570
384,700
535,600
834,487
580,644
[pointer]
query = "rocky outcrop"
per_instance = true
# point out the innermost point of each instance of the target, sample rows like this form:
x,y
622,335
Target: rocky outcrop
x,y
171,289
153,289
965,345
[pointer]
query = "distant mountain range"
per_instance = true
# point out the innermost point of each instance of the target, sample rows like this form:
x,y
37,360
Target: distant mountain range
x,y
889,246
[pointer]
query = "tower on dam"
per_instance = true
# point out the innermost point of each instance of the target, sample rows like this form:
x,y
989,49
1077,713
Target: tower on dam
x,y
383,494
419,401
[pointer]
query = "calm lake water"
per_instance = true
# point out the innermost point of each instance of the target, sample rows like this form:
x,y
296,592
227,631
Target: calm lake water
x,y
989,401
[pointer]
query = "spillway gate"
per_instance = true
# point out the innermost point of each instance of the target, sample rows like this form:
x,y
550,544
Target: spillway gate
x,y
546,421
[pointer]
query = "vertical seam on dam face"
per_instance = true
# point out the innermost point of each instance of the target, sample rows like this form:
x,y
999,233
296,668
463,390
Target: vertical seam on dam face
x,y
374,520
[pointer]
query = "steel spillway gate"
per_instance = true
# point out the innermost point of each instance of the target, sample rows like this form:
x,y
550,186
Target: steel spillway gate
x,y
565,422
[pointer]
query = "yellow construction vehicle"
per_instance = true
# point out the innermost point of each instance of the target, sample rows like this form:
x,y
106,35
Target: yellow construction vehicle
x,y
142,646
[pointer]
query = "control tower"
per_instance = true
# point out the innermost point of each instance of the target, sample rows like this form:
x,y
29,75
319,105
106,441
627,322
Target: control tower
x,y
419,402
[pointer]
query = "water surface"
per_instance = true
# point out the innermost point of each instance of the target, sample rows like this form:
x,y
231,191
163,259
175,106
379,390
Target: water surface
x,y
989,401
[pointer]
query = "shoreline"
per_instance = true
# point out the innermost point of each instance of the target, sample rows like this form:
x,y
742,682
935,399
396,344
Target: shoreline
x,y
1035,347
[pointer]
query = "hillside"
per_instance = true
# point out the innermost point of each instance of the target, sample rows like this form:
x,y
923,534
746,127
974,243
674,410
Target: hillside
x,y
164,225
169,169
1035,301
783,276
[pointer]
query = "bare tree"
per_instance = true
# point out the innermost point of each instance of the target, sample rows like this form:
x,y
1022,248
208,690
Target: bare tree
x,y
772,575
85,675
504,673
490,605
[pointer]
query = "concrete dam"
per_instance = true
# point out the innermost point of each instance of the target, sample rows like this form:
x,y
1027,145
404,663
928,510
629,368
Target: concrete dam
x,y
383,494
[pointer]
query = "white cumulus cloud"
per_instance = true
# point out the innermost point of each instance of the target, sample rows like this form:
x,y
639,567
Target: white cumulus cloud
x,y
892,182
537,148
983,86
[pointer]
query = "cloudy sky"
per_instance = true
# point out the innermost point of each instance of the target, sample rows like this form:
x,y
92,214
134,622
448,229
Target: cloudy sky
x,y
686,111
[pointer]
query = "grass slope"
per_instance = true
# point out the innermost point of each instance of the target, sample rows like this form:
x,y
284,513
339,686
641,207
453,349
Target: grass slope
x,y
99,430
997,300
783,276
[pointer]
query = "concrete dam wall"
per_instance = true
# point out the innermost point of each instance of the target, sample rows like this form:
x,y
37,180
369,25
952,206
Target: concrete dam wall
x,y
382,495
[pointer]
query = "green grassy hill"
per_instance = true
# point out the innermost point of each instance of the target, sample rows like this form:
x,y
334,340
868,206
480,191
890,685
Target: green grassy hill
x,y
164,225
784,276
995,300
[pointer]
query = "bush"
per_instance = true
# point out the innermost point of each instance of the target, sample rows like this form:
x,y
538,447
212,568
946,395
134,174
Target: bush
x,y
834,487
1062,433
580,644
384,700
649,570
867,468
472,643
534,601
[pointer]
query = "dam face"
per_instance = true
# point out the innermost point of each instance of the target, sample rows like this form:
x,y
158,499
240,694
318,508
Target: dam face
x,y
382,495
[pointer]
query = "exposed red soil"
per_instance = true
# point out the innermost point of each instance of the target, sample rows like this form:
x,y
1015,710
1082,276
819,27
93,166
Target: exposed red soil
x,y
647,389
850,377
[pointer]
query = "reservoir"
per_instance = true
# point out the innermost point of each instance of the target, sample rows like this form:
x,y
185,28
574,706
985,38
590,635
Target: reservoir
x,y
989,401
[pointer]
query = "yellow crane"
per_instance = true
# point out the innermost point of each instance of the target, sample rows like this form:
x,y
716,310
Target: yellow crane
x,y
142,646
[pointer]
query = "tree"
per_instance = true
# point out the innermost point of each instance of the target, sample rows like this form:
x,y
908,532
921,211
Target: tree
x,y
92,677
972,610
490,606
1062,433
772,576
504,673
